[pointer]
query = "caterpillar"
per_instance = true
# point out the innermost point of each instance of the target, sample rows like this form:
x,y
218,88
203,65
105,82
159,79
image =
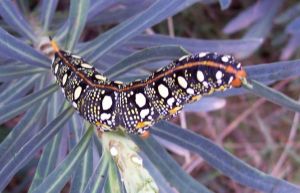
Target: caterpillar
x,y
139,104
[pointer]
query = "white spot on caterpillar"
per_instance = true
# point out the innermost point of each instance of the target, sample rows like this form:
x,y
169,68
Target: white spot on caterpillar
x,y
144,113
140,99
182,82
74,104
100,77
163,91
200,76
75,56
106,102
170,101
190,91
118,82
56,69
219,75
205,84
225,58
77,92
105,116
238,65
64,79
183,57
158,70
53,59
202,54
230,79
85,65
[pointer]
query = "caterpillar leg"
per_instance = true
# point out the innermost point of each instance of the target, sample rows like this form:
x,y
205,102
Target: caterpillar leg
x,y
195,98
175,110
102,127
146,134
143,124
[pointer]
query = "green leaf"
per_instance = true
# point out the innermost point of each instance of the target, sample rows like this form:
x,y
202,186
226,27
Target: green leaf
x,y
168,167
15,71
76,129
12,109
60,176
17,50
18,89
47,12
225,162
12,16
162,183
28,150
240,48
273,95
48,159
76,21
131,27
275,71
21,133
113,183
262,28
146,55
98,179
83,171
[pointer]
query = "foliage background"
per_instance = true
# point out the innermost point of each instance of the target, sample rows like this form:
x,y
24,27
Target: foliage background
x,y
43,147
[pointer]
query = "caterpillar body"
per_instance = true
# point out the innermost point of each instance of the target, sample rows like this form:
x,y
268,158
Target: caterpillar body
x,y
139,104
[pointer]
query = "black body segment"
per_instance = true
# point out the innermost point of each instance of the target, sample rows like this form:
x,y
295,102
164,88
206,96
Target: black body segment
x,y
139,104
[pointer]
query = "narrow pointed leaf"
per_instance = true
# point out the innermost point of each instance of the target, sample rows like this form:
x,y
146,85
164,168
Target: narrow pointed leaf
x,y
262,28
12,109
274,71
99,177
17,89
59,177
131,27
9,72
294,26
273,95
247,17
144,56
12,16
240,48
168,167
29,149
76,21
83,171
127,10
289,14
113,183
98,7
48,159
218,158
20,134
160,180
47,12
18,50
